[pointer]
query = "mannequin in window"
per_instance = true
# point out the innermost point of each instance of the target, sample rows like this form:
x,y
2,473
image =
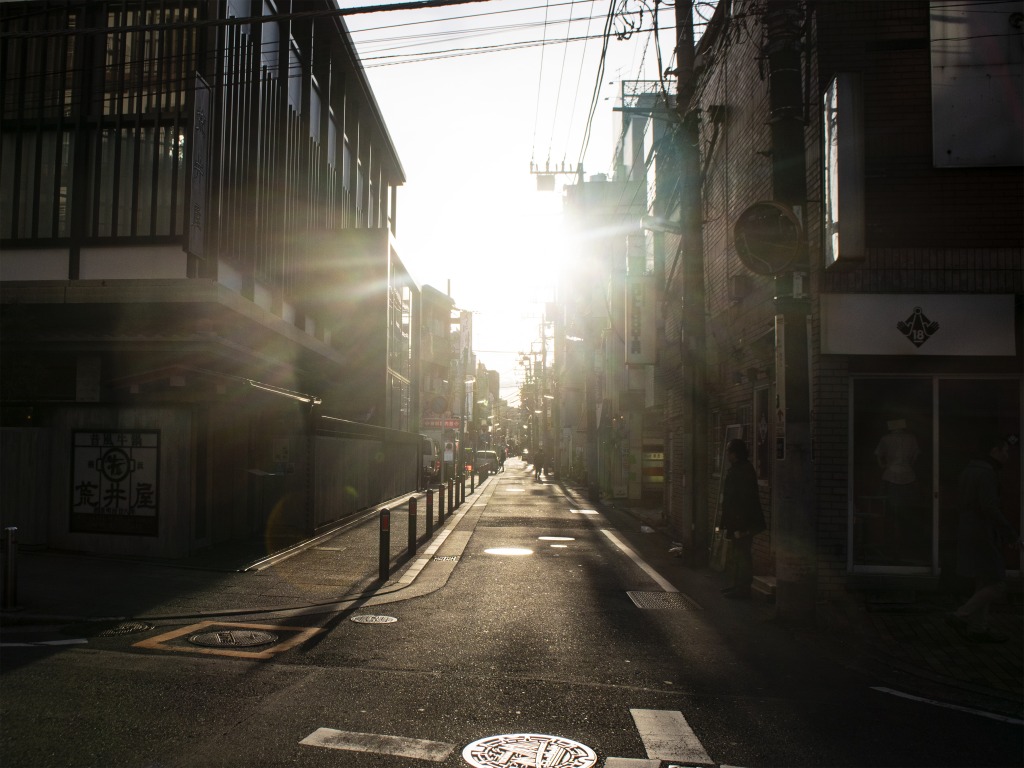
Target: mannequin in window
x,y
896,453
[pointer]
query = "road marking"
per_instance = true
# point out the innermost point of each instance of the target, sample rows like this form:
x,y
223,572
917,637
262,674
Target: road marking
x,y
667,736
639,562
583,511
631,762
957,707
166,641
379,744
42,643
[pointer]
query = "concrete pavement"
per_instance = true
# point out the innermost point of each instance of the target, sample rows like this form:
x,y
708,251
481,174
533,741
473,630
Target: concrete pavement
x,y
907,645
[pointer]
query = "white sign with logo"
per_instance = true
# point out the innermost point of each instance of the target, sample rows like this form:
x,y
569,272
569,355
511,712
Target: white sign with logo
x,y
917,324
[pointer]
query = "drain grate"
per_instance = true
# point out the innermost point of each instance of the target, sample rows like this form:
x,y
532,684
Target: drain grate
x,y
124,628
662,600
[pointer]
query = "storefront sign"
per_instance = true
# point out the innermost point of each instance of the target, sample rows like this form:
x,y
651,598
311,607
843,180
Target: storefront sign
x,y
917,324
114,481
433,423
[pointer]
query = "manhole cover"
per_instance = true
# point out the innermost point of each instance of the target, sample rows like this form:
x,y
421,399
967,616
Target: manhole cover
x,y
367,618
124,628
533,749
662,600
233,638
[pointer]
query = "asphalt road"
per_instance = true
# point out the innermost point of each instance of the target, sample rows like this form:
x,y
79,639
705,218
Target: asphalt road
x,y
546,640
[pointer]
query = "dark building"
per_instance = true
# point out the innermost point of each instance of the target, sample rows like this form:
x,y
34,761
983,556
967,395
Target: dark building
x,y
208,333
835,198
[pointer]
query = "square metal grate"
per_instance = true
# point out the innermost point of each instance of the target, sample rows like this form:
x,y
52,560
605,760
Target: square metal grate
x,y
662,601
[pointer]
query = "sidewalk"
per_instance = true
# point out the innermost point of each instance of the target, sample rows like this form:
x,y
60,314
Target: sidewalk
x,y
243,578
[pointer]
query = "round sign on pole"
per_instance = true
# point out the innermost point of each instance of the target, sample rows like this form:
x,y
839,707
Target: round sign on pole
x,y
769,238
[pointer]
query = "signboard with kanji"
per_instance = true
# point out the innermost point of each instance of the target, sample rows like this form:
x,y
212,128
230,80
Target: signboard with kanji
x,y
115,481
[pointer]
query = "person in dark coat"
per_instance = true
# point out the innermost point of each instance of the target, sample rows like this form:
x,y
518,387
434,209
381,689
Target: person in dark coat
x,y
742,519
983,532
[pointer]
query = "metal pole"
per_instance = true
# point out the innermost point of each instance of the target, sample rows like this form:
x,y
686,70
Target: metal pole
x,y
430,512
384,569
451,495
440,503
412,526
10,572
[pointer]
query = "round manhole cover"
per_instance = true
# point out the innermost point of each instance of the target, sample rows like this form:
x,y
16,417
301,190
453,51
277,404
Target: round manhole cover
x,y
233,638
367,618
533,749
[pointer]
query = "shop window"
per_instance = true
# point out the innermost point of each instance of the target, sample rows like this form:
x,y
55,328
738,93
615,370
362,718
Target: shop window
x,y
892,473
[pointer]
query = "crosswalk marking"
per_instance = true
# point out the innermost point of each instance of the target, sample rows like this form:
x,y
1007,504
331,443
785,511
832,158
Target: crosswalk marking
x,y
380,744
667,736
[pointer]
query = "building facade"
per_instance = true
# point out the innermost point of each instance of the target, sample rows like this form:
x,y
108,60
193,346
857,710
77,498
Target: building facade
x,y
862,364
205,316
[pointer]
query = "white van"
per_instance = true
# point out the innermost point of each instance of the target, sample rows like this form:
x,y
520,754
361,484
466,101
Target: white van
x,y
431,452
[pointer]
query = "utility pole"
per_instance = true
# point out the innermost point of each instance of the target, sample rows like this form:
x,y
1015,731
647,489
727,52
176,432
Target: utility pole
x,y
793,495
694,459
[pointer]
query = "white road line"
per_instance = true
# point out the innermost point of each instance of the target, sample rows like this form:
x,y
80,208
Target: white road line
x,y
379,744
639,562
667,736
631,762
980,713
43,643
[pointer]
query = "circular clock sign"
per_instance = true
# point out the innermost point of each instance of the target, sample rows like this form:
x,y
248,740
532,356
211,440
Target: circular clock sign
x,y
768,238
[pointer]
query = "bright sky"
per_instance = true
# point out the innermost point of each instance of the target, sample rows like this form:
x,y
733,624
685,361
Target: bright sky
x,y
468,123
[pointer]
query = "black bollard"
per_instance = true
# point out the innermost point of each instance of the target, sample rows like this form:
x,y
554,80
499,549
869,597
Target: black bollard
x,y
430,512
384,570
451,495
10,545
412,526
440,503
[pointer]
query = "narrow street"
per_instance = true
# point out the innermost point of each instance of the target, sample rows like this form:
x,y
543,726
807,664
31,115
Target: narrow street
x,y
536,634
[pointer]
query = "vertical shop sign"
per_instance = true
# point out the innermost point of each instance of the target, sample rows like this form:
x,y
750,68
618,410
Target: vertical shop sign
x,y
115,481
199,154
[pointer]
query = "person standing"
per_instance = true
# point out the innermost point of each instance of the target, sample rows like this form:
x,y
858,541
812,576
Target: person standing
x,y
742,519
982,530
